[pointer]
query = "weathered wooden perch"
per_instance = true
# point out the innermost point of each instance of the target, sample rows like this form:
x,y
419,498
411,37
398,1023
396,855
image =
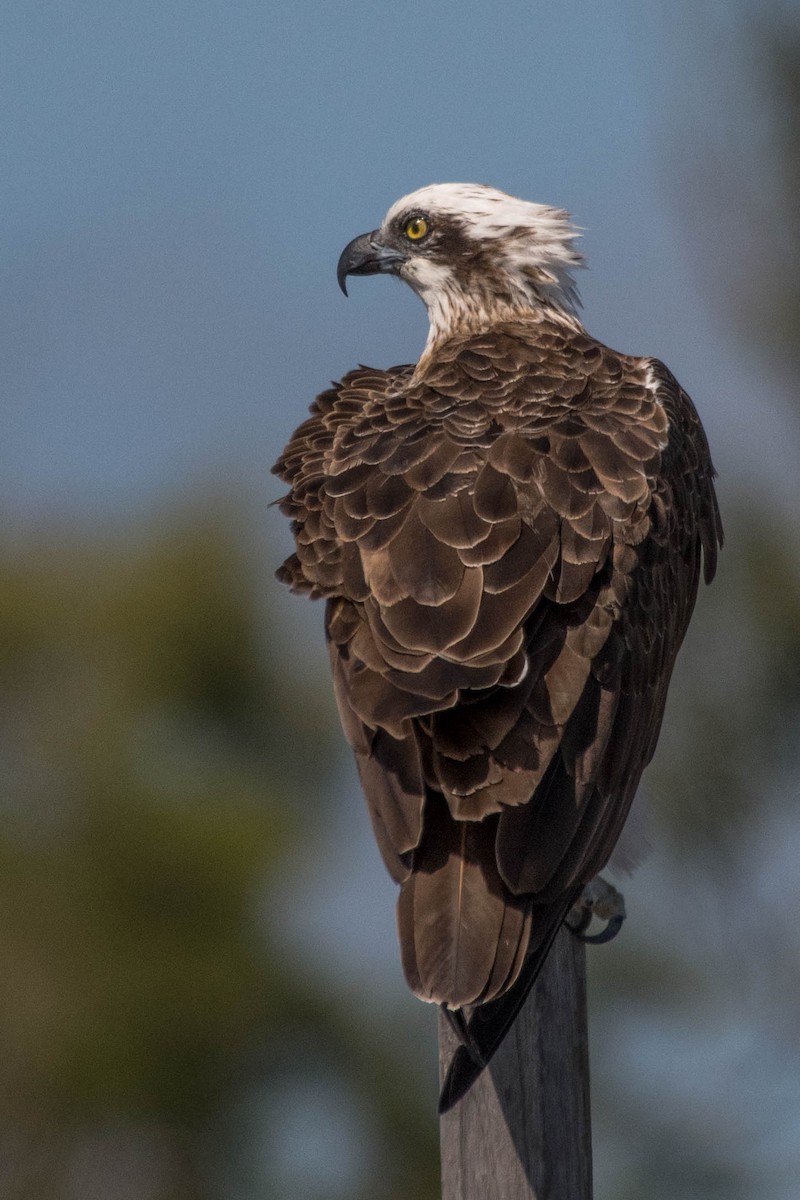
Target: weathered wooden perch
x,y
523,1131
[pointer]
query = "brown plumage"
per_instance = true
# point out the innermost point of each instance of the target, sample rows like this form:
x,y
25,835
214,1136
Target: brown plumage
x,y
508,537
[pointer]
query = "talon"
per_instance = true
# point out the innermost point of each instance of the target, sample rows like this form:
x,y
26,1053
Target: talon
x,y
605,935
598,899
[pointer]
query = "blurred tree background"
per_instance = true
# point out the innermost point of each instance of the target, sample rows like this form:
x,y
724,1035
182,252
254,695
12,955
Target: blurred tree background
x,y
169,771
159,757
696,1059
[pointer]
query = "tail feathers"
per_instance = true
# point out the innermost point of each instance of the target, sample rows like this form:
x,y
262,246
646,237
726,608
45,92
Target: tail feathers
x,y
463,934
489,1023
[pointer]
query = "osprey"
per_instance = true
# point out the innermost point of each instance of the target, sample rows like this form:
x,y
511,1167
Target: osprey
x,y
508,536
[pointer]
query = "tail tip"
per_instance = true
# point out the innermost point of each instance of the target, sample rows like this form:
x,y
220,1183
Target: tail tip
x,y
461,1074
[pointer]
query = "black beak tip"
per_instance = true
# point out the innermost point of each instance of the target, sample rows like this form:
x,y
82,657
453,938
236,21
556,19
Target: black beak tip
x,y
365,255
352,259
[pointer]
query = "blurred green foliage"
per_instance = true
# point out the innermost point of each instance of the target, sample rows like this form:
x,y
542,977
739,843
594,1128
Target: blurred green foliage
x,y
157,756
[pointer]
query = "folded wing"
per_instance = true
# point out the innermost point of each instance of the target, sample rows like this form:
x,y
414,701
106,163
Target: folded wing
x,y
510,563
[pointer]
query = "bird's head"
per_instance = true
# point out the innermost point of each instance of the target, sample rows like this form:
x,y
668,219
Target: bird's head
x,y
473,254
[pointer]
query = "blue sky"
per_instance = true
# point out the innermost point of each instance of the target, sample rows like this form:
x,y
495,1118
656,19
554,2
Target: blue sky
x,y
178,179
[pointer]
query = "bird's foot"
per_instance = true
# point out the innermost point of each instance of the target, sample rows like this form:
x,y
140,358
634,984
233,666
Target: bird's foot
x,y
598,899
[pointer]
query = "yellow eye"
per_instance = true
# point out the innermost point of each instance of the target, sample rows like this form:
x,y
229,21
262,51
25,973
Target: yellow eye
x,y
416,229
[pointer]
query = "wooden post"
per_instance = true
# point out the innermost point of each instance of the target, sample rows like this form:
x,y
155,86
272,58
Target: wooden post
x,y
523,1131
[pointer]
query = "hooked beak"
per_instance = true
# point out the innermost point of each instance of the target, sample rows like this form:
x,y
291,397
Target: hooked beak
x,y
367,255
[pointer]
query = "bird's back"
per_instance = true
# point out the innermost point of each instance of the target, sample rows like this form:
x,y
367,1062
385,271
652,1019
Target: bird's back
x,y
509,543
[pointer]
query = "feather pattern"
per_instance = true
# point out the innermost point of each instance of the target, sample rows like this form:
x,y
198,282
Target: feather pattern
x,y
508,537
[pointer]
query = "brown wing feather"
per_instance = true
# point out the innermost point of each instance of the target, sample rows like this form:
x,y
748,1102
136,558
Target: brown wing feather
x,y
511,547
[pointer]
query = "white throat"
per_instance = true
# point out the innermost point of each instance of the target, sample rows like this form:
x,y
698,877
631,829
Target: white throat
x,y
454,310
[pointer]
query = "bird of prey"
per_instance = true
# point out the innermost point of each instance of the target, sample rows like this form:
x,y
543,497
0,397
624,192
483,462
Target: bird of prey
x,y
508,538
